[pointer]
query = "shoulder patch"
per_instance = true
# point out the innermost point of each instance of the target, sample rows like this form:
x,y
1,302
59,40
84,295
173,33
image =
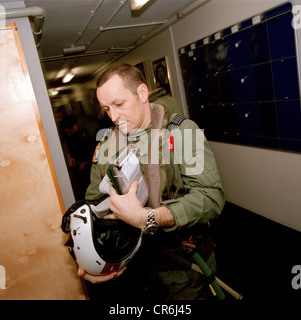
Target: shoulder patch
x,y
102,136
96,153
177,119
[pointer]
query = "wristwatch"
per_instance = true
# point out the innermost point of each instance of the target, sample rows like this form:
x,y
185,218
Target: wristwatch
x,y
151,226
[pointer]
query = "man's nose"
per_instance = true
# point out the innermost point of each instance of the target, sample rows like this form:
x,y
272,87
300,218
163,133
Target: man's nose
x,y
114,114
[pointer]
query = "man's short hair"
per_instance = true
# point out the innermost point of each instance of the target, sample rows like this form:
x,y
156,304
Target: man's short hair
x,y
131,76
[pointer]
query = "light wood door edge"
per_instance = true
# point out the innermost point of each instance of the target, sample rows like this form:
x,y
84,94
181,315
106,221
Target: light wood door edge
x,y
37,115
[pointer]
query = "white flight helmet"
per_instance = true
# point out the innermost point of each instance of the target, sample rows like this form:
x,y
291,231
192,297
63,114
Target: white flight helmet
x,y
99,245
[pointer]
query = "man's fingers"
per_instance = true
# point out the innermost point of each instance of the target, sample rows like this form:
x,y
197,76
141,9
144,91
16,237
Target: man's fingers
x,y
134,187
99,278
81,272
109,216
120,272
112,191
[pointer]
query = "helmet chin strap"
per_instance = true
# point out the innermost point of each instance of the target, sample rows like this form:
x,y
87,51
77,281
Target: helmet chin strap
x,y
102,209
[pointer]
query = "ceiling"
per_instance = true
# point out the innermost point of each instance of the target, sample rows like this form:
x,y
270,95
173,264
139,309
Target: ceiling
x,y
106,28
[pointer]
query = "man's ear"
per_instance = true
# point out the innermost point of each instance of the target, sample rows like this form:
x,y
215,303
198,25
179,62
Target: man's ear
x,y
142,92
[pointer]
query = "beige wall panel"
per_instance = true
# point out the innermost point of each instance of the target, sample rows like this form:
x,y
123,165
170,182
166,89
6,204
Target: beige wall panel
x,y
37,264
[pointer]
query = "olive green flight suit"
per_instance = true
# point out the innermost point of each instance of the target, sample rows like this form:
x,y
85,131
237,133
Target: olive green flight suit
x,y
193,199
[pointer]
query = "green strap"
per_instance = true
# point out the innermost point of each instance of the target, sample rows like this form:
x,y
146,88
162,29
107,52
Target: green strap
x,y
207,272
111,174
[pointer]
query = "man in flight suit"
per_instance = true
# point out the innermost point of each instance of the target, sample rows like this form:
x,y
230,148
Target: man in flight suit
x,y
184,195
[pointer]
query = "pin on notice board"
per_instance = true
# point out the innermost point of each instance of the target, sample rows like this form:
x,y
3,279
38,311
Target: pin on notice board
x,y
2,278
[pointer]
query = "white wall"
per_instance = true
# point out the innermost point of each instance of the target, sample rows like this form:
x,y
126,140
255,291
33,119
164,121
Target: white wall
x,y
39,86
264,181
156,48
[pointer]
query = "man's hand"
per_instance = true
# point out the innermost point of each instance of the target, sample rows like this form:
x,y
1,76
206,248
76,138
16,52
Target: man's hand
x,y
99,278
127,207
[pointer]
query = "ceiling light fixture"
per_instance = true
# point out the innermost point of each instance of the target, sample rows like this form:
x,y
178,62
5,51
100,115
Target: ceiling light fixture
x,y
138,4
68,77
74,50
53,92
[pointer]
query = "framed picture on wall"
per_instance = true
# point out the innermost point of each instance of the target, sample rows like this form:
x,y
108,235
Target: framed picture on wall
x,y
161,74
141,66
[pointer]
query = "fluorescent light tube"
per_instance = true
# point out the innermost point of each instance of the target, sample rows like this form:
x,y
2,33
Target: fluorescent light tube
x,y
138,4
68,77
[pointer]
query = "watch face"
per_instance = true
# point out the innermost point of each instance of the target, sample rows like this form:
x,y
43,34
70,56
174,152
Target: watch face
x,y
151,229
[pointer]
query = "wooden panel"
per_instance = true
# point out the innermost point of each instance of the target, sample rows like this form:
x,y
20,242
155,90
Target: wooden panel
x,y
38,265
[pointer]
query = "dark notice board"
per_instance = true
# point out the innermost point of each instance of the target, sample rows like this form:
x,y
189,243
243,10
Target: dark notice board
x,y
242,85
